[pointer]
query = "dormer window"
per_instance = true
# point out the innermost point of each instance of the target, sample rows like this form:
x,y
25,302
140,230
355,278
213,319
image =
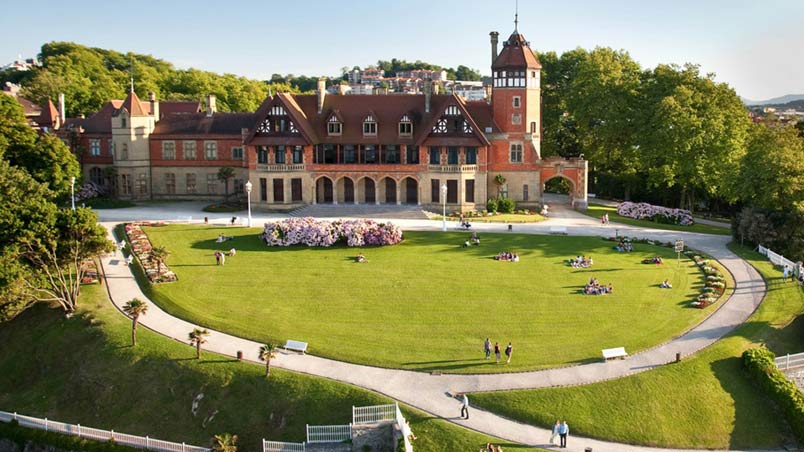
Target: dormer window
x,y
334,126
405,126
277,122
369,126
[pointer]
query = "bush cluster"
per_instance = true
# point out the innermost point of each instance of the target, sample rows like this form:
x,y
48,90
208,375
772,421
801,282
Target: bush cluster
x,y
760,366
659,214
312,232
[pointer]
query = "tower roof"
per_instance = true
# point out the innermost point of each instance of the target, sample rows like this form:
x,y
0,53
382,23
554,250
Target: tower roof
x,y
49,116
133,105
516,53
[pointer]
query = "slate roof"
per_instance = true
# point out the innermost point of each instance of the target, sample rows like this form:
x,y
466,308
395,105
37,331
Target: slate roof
x,y
516,53
201,124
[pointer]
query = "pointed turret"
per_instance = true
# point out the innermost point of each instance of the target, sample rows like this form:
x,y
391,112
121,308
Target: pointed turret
x,y
133,105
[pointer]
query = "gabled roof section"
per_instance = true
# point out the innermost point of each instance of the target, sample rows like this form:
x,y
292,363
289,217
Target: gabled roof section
x,y
516,53
293,110
101,121
49,116
133,106
452,100
336,114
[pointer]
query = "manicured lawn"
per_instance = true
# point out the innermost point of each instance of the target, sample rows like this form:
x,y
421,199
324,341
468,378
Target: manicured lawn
x,y
427,303
597,211
704,402
83,370
501,218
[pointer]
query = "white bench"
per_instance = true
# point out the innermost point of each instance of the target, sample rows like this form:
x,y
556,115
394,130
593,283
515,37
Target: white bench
x,y
610,353
297,346
561,230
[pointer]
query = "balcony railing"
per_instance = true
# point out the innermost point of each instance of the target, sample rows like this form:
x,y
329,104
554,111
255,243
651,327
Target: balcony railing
x,y
452,168
280,168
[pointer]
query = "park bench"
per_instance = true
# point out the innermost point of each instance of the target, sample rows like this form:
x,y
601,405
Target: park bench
x,y
610,353
559,230
297,346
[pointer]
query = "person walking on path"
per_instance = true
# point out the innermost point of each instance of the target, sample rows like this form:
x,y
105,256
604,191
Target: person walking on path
x,y
785,273
497,351
554,435
563,431
487,348
465,407
508,351
606,216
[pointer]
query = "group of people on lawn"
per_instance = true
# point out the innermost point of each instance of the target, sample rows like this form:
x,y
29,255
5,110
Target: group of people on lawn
x,y
593,287
581,262
653,260
509,350
624,246
506,256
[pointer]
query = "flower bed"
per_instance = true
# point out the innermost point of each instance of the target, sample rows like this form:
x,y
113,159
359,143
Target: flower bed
x,y
141,248
311,232
715,281
659,214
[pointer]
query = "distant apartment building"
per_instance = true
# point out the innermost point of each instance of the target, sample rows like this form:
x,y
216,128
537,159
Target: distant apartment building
x,y
21,64
424,74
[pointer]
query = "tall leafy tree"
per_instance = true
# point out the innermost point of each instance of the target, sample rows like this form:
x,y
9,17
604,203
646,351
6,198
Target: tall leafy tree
x,y
224,174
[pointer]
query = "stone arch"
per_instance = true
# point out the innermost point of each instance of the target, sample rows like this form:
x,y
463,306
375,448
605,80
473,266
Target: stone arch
x,y
387,190
345,190
366,190
324,190
574,170
410,190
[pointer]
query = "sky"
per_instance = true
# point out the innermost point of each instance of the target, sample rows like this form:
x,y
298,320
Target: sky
x,y
754,46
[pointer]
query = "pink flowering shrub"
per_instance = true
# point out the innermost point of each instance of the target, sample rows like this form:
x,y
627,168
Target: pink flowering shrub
x,y
89,190
645,211
311,232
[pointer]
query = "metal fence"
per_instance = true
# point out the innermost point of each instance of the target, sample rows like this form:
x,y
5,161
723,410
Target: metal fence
x,y
789,361
80,431
373,414
329,433
279,446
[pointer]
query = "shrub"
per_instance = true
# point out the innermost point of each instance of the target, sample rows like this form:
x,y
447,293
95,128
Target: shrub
x,y
760,366
659,214
492,205
311,232
506,205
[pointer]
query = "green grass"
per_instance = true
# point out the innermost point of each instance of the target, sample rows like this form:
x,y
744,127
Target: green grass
x,y
501,218
83,370
108,203
704,402
427,303
597,211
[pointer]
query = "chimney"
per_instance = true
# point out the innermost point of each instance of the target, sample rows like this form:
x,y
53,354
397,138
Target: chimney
x,y
244,134
211,105
488,90
154,105
62,112
428,92
343,89
322,93
494,35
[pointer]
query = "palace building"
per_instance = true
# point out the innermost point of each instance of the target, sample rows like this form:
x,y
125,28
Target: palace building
x,y
336,149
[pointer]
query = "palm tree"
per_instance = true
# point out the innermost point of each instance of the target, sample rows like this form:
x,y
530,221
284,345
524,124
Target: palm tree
x,y
159,254
134,308
267,352
198,337
225,442
224,174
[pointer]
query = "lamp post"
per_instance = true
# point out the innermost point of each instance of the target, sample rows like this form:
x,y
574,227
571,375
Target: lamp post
x,y
72,190
248,194
444,205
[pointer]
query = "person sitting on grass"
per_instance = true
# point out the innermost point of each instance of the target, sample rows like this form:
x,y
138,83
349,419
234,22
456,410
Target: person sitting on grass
x,y
514,257
360,258
666,285
657,260
232,252
466,244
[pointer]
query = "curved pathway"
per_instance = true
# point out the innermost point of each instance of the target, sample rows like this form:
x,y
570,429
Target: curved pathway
x,y
430,393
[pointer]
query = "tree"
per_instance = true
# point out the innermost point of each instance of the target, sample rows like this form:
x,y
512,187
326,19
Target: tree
x,y
225,442
198,337
159,254
267,352
499,180
224,174
59,253
134,308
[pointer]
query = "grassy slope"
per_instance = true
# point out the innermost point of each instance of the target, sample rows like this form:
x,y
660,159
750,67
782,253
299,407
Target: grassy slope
x,y
703,402
83,370
427,303
597,211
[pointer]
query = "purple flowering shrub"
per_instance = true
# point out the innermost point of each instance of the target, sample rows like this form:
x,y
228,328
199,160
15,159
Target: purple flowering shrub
x,y
88,191
645,211
311,232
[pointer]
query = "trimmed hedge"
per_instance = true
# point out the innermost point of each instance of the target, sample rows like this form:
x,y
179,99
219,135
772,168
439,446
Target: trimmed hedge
x,y
22,435
759,364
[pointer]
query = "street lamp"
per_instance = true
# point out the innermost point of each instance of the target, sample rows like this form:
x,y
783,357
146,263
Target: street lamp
x,y
248,193
444,204
72,190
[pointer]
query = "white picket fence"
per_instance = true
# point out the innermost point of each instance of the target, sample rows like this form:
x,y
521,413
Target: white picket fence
x,y
776,258
80,431
402,423
279,446
789,361
373,414
329,433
